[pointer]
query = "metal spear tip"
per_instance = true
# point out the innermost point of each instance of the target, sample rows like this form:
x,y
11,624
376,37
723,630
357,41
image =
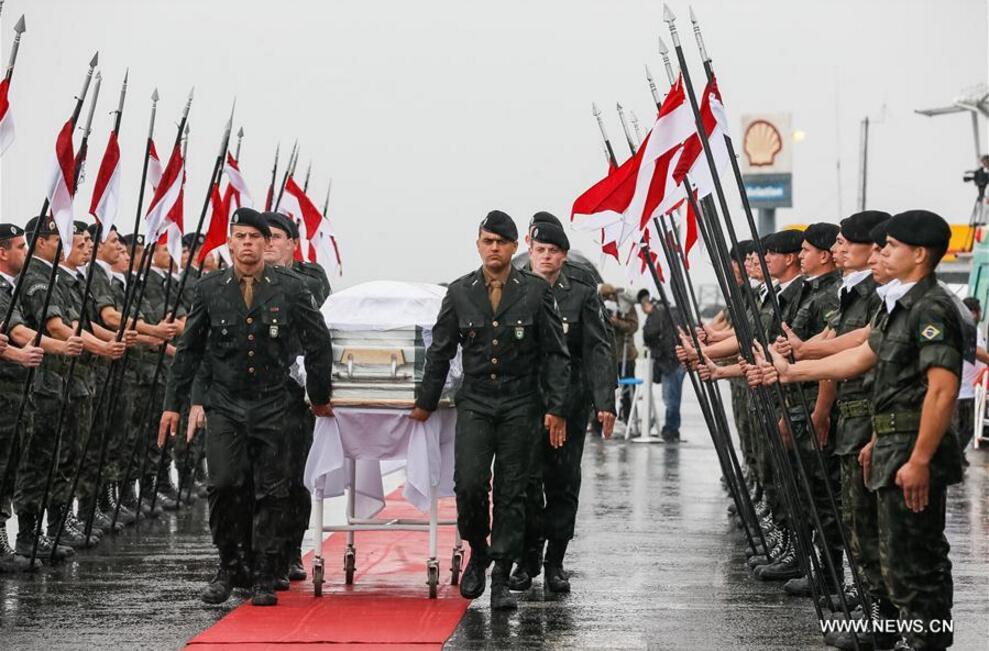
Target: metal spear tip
x,y
21,26
693,16
648,73
663,50
619,105
192,91
95,60
668,15
126,75
594,109
240,132
154,96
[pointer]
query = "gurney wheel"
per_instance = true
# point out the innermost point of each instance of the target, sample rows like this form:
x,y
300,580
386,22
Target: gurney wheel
x,y
317,576
455,564
432,578
349,565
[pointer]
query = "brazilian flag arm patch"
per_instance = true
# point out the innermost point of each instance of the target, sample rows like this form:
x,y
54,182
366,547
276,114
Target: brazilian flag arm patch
x,y
931,332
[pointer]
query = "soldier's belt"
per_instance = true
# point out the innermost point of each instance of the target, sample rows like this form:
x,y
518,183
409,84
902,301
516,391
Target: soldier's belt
x,y
896,421
854,408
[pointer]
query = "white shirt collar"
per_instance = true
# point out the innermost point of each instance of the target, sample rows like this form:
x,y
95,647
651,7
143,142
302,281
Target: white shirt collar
x,y
119,275
9,279
756,283
161,272
850,280
782,286
896,292
105,266
72,270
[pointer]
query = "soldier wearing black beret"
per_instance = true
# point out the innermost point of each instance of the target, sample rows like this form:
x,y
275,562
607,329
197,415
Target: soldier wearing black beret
x,y
916,359
245,328
577,264
516,371
857,228
311,270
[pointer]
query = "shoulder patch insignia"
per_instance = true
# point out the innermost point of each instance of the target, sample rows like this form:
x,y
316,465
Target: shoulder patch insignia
x,y
931,332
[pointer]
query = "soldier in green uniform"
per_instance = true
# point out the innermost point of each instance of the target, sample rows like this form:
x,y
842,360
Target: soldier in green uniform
x,y
245,328
514,349
17,356
549,520
915,354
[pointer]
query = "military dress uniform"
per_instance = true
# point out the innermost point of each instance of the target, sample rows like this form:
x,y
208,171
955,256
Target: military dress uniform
x,y
922,331
248,350
554,485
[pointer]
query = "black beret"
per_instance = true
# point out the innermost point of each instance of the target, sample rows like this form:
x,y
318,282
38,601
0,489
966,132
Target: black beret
x,y
47,226
821,235
857,228
550,233
878,233
543,217
252,218
282,222
919,228
129,239
92,229
788,240
500,223
10,231
78,227
189,238
744,248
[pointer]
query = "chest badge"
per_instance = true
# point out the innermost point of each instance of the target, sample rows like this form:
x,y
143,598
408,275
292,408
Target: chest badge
x,y
273,332
520,333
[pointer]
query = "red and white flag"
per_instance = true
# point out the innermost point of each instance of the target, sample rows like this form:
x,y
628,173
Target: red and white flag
x,y
154,167
693,162
633,192
318,244
216,234
60,184
636,264
6,119
106,191
173,226
237,187
167,192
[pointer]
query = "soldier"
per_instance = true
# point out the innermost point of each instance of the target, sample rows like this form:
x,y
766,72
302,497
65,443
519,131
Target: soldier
x,y
511,334
576,266
550,522
299,420
915,352
17,356
245,328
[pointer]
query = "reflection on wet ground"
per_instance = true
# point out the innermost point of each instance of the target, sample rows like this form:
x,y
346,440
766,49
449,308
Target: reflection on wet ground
x,y
656,565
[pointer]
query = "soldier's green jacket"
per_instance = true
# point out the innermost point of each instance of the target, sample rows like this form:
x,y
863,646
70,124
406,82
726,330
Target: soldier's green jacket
x,y
816,305
160,296
101,293
48,377
589,342
10,373
512,353
315,272
857,306
923,331
248,352
73,283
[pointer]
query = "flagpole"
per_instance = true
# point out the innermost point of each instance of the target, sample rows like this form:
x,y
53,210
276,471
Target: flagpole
x,y
289,170
604,134
628,134
652,88
240,139
305,183
274,175
77,332
670,19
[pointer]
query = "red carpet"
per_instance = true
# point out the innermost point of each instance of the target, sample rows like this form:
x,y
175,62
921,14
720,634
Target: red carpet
x,y
387,605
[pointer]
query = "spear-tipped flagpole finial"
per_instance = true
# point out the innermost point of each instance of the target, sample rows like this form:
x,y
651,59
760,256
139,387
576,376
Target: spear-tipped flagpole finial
x,y
155,96
87,129
628,134
652,86
123,92
670,19
240,132
188,103
240,138
95,61
664,53
21,26
19,29
85,84
698,37
597,116
635,125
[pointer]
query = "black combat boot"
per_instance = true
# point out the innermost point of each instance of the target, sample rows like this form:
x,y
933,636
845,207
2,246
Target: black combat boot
x,y
501,596
222,584
281,581
108,504
70,535
168,497
296,570
787,567
474,579
526,569
264,581
555,578
147,485
10,562
25,540
128,500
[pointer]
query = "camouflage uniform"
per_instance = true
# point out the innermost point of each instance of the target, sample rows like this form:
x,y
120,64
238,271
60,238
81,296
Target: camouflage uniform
x,y
922,332
508,355
12,379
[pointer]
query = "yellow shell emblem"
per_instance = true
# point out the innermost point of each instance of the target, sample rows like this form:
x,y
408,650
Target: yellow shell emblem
x,y
762,143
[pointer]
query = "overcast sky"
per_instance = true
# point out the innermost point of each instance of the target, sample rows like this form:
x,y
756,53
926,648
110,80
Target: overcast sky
x,y
429,114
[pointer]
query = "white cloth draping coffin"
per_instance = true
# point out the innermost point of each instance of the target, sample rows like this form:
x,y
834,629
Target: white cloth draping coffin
x,y
375,439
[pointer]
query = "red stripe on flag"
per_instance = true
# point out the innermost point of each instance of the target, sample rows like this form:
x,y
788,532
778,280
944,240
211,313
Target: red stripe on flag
x,y
111,157
66,157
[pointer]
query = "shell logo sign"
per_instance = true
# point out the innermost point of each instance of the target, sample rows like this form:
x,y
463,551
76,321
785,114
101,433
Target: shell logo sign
x,y
762,143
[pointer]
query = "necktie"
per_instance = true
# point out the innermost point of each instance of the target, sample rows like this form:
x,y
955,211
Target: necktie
x,y
247,289
494,293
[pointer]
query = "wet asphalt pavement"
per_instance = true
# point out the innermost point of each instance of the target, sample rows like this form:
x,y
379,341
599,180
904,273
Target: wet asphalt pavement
x,y
656,564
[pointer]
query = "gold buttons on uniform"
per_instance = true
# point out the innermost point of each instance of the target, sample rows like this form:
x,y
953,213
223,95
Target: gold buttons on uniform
x,y
494,323
250,353
494,360
250,320
494,342
250,337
